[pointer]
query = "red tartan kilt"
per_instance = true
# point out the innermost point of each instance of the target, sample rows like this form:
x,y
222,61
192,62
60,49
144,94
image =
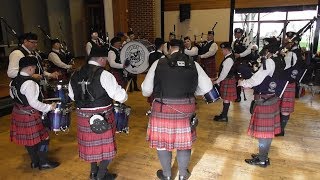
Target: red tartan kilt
x,y
228,89
170,129
265,120
119,77
288,98
209,66
96,147
26,129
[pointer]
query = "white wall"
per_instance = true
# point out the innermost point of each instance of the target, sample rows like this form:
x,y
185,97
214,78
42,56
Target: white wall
x,y
201,21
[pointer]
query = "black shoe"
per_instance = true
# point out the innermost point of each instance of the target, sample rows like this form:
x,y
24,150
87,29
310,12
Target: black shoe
x,y
93,176
221,118
185,177
280,134
108,176
256,156
49,165
237,100
256,161
161,176
34,165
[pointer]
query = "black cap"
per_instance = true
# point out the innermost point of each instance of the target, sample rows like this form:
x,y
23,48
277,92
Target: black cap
x,y
158,42
99,52
225,45
28,36
53,41
129,33
27,61
175,42
211,32
115,39
238,30
171,34
93,30
290,34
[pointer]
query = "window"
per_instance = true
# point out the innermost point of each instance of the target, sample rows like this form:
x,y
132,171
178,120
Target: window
x,y
270,22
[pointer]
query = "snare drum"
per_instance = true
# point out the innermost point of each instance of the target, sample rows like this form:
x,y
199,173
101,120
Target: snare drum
x,y
121,115
213,95
59,119
137,52
59,90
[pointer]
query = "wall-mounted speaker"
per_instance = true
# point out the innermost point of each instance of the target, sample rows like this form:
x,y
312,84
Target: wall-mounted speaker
x,y
184,11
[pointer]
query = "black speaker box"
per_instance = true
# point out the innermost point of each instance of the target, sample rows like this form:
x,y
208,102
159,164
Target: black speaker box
x,y
184,11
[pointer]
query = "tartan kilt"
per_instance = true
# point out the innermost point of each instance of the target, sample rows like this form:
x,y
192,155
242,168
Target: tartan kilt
x,y
209,66
119,77
27,129
228,89
288,98
95,147
265,119
169,128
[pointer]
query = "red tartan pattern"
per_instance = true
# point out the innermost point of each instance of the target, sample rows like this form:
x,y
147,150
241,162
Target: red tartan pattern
x,y
96,147
169,129
228,89
209,66
265,120
26,129
119,77
288,98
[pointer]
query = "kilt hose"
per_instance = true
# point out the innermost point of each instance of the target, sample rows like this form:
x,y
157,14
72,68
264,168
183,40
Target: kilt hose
x,y
26,126
118,74
265,119
169,124
95,147
228,89
209,66
288,98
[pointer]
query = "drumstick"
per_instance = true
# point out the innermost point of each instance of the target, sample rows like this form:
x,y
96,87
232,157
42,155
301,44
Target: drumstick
x,y
52,99
128,85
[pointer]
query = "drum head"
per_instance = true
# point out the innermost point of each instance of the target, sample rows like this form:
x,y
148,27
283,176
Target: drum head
x,y
138,54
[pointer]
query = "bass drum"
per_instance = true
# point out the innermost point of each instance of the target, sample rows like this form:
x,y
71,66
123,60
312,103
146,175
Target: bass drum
x,y
137,52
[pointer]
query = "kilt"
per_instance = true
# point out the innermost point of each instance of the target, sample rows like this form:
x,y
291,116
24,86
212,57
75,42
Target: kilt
x,y
168,128
265,119
209,66
27,129
95,147
288,98
117,73
228,89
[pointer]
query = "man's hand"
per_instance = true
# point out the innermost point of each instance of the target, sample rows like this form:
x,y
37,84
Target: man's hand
x,y
53,106
37,76
54,75
236,55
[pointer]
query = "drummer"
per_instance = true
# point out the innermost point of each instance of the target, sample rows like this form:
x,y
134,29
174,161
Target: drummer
x,y
227,81
130,37
58,59
93,89
116,67
191,51
26,125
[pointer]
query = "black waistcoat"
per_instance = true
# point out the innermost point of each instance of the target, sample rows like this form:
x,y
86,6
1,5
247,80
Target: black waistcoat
x,y
232,71
15,89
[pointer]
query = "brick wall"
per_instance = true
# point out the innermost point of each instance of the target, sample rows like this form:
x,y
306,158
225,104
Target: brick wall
x,y
141,15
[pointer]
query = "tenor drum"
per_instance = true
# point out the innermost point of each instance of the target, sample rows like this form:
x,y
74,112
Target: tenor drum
x,y
59,119
121,115
59,90
137,52
213,95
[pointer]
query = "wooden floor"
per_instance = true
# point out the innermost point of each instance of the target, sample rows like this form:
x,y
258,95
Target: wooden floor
x,y
218,152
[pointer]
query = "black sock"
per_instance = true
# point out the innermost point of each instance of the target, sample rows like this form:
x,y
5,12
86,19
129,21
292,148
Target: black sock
x,y
165,158
94,167
183,157
32,151
284,120
43,148
239,92
225,109
103,168
264,147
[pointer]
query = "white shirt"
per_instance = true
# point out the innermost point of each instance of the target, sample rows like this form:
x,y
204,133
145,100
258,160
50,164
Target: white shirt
x,y
204,82
89,46
227,65
14,58
259,76
191,52
212,50
112,60
53,57
109,83
31,90
289,56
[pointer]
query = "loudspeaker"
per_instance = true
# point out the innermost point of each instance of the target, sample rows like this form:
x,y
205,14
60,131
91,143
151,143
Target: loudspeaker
x,y
184,11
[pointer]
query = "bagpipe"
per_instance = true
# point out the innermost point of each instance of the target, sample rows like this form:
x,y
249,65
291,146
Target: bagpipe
x,y
202,42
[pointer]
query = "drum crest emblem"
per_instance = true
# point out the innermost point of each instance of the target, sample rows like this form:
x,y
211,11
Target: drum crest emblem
x,y
272,87
135,54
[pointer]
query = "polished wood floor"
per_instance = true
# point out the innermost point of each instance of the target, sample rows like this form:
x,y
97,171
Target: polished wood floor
x,y
218,152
